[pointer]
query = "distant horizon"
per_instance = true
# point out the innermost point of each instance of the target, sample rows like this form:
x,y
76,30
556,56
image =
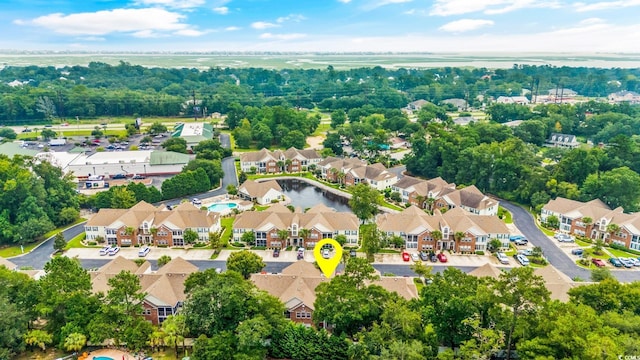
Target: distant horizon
x,y
264,52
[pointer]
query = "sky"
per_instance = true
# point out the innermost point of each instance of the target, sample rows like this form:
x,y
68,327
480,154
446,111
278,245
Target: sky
x,y
321,25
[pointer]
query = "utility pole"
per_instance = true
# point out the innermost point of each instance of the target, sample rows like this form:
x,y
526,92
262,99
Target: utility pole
x,y
195,108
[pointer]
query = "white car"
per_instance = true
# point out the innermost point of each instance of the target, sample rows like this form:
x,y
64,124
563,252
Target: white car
x,y
522,260
105,250
502,257
326,253
114,250
196,201
415,257
564,237
144,251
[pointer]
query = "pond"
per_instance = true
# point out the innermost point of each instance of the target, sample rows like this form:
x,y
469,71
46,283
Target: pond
x,y
305,195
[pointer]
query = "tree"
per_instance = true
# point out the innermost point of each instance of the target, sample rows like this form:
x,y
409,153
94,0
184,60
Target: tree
x,y
68,215
175,144
242,177
283,234
364,201
215,240
39,338
521,293
601,274
13,326
304,234
190,236
248,238
232,190
338,117
552,221
122,198
75,342
371,240
333,142
174,330
59,243
618,187
245,263
157,128
163,260
48,134
8,133
294,138
96,132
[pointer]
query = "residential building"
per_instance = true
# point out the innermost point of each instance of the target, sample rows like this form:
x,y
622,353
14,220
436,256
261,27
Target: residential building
x,y
297,283
595,220
455,230
468,198
150,225
319,222
417,105
521,100
269,162
193,132
398,143
630,97
163,289
460,104
261,192
375,175
418,191
562,141
334,169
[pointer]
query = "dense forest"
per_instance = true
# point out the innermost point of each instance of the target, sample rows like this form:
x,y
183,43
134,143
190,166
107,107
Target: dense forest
x,y
38,93
478,317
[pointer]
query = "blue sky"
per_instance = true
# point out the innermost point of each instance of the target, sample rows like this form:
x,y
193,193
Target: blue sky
x,y
322,25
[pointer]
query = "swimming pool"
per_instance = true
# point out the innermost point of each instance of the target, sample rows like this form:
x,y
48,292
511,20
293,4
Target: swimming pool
x,y
222,207
102,358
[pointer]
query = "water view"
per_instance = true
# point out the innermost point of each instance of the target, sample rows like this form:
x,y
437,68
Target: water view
x,y
305,195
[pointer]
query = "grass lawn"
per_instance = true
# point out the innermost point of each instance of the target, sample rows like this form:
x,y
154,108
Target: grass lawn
x,y
76,242
583,243
537,266
419,284
50,354
388,251
10,251
620,253
545,230
590,267
322,129
55,231
507,216
227,225
512,250
261,207
589,251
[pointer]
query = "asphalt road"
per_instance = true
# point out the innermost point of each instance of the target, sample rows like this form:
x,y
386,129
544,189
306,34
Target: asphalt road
x,y
558,258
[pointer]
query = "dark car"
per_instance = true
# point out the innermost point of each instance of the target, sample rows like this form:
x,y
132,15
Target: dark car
x,y
433,258
276,252
119,176
353,253
138,177
578,252
615,262
424,256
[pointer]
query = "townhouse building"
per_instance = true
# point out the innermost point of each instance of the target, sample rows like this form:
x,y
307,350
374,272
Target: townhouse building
x,y
417,191
270,162
145,224
595,220
302,228
163,289
469,198
456,230
261,192
353,171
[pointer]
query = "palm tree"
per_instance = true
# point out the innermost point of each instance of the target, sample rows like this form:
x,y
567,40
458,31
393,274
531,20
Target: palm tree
x,y
172,336
129,230
341,177
283,234
458,236
75,342
288,164
431,201
420,199
334,172
304,234
612,229
156,339
154,232
437,236
280,164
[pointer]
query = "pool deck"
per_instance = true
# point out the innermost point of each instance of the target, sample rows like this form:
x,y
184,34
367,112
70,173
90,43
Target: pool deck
x,y
112,353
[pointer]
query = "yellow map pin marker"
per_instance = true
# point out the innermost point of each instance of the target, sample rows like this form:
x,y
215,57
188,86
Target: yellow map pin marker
x,y
328,266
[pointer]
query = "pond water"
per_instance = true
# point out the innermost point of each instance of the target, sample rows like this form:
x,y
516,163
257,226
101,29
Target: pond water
x,y
305,195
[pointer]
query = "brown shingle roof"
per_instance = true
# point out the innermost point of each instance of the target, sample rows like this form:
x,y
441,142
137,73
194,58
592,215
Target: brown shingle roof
x,y
177,265
258,189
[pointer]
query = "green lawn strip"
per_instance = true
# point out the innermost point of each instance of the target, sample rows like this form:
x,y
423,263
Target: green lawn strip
x,y
76,242
261,207
227,225
507,216
583,243
590,267
620,253
589,252
14,250
537,266
388,251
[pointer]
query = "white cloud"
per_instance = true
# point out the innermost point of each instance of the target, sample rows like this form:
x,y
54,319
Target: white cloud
x,y
291,17
457,7
379,3
142,22
232,28
463,25
91,38
146,34
222,10
190,32
282,36
176,4
591,21
605,5
344,1
261,25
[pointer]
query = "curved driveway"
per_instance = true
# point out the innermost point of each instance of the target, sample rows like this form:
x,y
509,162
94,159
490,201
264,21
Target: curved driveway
x,y
558,258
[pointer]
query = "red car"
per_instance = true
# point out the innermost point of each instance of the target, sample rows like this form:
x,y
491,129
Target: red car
x,y
405,256
598,262
442,257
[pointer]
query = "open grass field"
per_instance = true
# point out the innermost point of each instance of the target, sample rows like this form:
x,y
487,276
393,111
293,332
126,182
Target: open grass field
x,y
322,60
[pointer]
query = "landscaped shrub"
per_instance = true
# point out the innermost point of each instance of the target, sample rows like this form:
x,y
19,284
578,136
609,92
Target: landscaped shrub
x,y
479,252
92,243
621,247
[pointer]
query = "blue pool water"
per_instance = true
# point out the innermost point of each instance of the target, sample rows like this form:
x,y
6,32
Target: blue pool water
x,y
221,207
102,358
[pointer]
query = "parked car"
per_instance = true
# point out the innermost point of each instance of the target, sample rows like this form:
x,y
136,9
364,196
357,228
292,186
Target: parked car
x,y
433,258
196,201
138,177
326,253
114,250
144,251
522,260
502,257
625,262
105,250
276,252
424,256
526,252
405,256
415,257
353,253
521,242
615,262
300,253
119,176
564,237
442,257
515,237
578,252
598,262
